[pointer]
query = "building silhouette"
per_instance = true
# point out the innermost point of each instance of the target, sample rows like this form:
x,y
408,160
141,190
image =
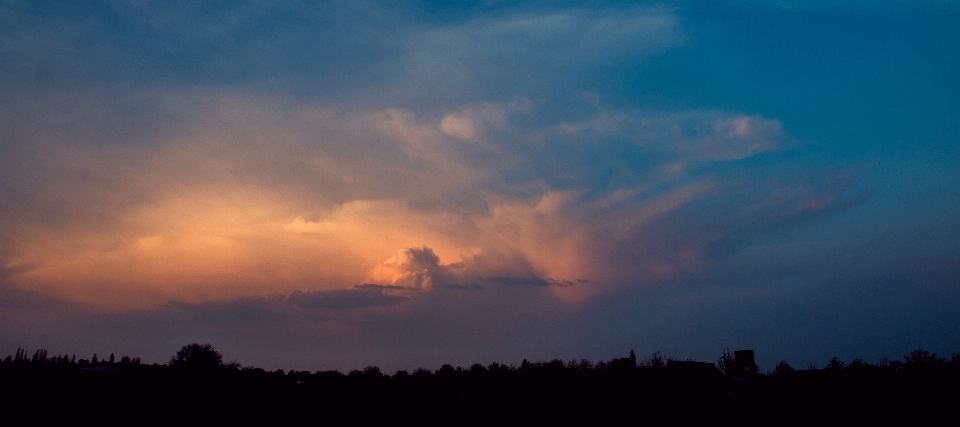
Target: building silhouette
x,y
744,365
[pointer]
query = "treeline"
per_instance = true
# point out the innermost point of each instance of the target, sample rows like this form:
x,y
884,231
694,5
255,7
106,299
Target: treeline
x,y
40,358
203,358
197,380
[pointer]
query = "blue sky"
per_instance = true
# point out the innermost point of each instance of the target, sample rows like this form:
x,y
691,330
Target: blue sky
x,y
333,185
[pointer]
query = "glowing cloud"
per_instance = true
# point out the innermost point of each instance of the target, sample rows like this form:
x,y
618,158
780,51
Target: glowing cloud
x,y
416,268
335,194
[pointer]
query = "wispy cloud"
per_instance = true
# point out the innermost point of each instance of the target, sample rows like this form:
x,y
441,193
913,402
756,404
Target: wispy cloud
x,y
689,135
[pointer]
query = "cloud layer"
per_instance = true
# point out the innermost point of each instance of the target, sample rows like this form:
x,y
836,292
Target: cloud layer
x,y
238,195
424,180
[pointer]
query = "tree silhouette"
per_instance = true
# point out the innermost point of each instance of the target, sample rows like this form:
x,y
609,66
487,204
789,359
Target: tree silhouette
x,y
783,368
923,358
197,357
726,364
835,364
656,361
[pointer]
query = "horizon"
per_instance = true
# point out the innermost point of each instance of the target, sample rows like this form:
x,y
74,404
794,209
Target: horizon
x,y
332,186
655,360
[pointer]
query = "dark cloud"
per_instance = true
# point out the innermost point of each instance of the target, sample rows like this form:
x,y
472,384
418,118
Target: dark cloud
x,y
526,281
247,310
183,43
456,287
342,299
722,221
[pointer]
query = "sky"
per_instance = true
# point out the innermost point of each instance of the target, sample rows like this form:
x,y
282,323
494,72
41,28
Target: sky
x,y
332,185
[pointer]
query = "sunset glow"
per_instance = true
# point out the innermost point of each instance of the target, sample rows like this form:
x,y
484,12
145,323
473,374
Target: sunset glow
x,y
398,185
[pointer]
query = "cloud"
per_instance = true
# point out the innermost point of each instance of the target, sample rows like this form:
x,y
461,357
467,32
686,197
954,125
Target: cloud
x,y
246,310
182,44
364,296
893,6
416,268
527,281
557,37
420,269
440,184
691,135
503,53
469,122
381,53
119,218
134,196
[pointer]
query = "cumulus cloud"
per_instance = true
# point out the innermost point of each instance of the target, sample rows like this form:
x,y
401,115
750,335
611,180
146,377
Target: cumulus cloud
x,y
416,268
420,269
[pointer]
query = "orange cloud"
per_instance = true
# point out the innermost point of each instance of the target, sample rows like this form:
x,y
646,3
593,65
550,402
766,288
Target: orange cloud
x,y
238,196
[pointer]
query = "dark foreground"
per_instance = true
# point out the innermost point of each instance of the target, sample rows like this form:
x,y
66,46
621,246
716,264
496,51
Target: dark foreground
x,y
159,395
554,392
